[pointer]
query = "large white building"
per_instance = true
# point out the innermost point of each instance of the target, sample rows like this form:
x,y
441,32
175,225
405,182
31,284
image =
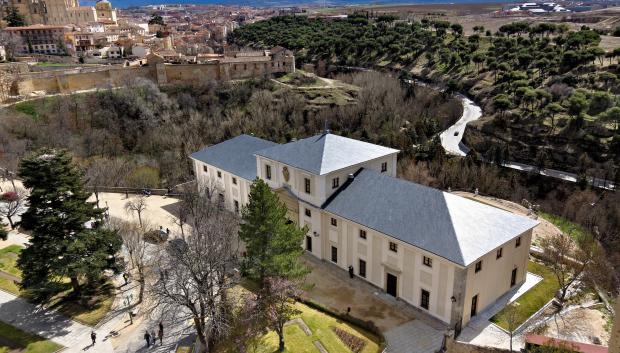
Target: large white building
x,y
445,254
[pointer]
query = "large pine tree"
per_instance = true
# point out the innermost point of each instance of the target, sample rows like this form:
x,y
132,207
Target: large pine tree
x,y
67,238
273,243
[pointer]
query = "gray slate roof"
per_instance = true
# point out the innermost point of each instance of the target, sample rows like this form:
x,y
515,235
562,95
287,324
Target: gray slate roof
x,y
325,153
450,226
235,156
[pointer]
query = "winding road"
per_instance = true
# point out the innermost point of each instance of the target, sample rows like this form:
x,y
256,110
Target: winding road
x,y
451,141
452,136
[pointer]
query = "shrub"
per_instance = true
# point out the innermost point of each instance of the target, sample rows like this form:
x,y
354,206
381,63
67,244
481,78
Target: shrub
x,y
354,343
143,176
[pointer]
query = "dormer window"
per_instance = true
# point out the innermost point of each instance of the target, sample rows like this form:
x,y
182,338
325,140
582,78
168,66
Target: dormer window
x,y
383,167
335,183
268,172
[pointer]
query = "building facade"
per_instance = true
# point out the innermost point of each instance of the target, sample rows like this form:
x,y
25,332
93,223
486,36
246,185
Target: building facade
x,y
444,254
61,12
40,39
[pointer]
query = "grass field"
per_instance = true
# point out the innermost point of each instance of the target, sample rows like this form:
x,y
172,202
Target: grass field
x,y
90,314
320,324
8,259
576,231
534,299
13,339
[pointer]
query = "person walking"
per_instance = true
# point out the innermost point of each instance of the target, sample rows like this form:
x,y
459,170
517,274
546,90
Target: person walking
x,y
161,333
147,338
93,337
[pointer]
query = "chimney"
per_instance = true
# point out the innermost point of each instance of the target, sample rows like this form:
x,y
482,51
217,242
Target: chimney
x,y
351,176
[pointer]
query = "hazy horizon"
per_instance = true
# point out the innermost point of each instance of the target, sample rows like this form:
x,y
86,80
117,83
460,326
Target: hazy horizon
x,y
285,3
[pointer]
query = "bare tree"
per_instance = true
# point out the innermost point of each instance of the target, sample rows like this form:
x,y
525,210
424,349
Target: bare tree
x,y
196,271
569,259
277,300
511,315
11,44
12,203
137,249
137,205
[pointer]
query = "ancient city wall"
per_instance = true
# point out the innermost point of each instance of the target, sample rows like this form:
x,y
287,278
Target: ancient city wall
x,y
80,79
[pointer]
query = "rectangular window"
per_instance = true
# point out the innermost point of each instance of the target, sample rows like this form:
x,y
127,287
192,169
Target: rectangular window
x,y
219,174
335,183
221,199
307,185
268,172
383,167
518,242
334,254
334,222
234,180
499,253
362,234
236,206
205,169
393,247
427,261
478,266
362,268
308,212
425,299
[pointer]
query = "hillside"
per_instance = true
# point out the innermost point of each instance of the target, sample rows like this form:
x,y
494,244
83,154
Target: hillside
x,y
549,95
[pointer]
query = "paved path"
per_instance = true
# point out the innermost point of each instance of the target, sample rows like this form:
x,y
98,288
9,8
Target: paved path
x,y
49,324
482,332
413,337
58,328
452,136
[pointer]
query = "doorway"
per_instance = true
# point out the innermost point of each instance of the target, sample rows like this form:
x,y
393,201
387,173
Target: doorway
x,y
391,285
474,306
309,243
513,277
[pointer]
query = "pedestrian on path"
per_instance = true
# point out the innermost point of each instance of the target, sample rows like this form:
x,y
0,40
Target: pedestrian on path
x,y
161,333
153,338
147,338
93,336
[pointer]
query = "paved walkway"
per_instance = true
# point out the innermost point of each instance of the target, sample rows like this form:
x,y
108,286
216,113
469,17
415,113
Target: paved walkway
x,y
413,337
160,210
58,328
406,329
49,324
482,332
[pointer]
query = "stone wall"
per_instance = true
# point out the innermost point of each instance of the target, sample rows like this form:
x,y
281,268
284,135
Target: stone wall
x,y
80,79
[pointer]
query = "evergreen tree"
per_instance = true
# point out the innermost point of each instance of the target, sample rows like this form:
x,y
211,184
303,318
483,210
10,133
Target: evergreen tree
x,y
62,244
273,243
13,18
4,234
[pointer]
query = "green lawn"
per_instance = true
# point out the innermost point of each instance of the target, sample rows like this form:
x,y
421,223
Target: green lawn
x,y
320,324
8,258
534,299
90,314
12,338
27,108
567,227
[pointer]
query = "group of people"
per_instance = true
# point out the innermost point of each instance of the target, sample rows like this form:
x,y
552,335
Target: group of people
x,y
151,339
